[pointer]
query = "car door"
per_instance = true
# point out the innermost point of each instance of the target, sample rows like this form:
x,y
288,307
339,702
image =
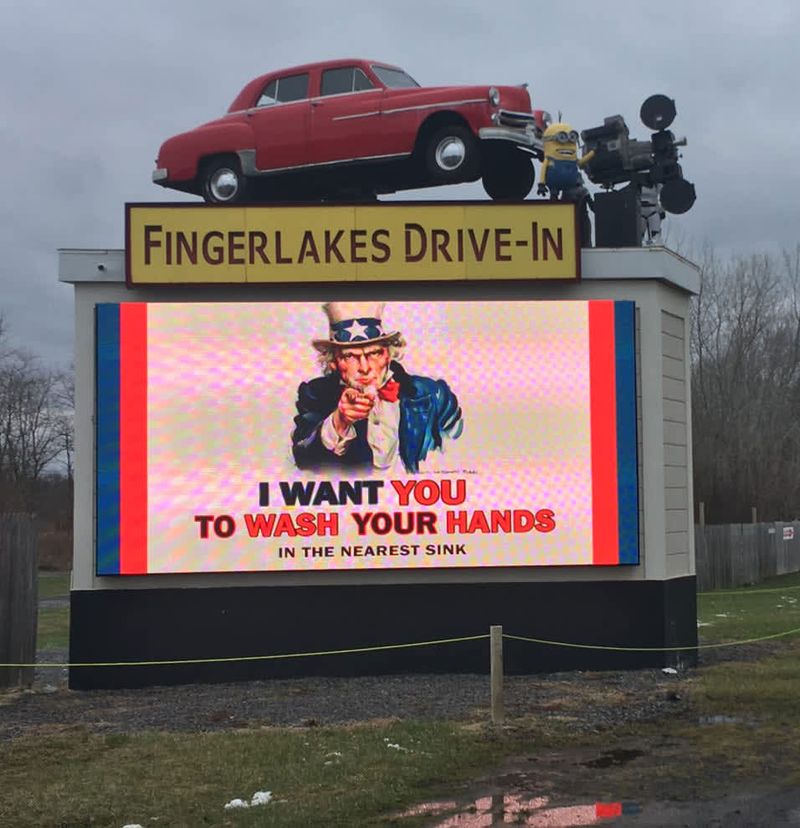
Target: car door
x,y
345,117
280,121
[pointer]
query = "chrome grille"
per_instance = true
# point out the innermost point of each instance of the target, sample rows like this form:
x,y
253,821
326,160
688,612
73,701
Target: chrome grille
x,y
515,119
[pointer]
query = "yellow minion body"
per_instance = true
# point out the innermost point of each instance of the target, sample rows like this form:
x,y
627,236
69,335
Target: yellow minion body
x,y
560,142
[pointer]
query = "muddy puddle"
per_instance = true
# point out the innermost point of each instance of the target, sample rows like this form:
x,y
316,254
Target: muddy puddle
x,y
547,798
518,809
766,808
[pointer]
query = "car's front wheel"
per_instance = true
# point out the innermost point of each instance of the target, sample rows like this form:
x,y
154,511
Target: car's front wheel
x,y
223,181
451,155
508,176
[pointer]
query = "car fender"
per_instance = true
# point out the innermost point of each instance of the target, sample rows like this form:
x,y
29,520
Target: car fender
x,y
433,121
183,155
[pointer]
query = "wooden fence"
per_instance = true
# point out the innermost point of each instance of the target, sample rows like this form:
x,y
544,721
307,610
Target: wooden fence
x,y
736,554
18,598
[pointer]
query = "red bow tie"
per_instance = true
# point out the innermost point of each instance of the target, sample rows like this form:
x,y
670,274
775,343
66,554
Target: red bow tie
x,y
390,391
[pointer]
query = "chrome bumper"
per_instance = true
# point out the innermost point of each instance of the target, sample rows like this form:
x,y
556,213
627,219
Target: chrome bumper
x,y
160,174
522,137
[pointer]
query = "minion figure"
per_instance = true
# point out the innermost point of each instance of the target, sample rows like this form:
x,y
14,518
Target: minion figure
x,y
560,170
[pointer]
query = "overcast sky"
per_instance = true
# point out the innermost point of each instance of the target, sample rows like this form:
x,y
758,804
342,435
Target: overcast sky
x,y
90,89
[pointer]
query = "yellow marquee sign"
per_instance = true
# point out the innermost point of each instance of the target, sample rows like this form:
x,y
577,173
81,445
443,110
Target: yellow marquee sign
x,y
402,241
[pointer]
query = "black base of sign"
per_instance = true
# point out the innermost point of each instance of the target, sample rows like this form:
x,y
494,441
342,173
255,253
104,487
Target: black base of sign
x,y
180,624
618,218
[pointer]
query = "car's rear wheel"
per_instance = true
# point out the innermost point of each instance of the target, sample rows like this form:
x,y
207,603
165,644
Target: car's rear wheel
x,y
223,181
451,155
508,176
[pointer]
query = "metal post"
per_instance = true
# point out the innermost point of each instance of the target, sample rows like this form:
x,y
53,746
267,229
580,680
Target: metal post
x,y
496,661
702,515
753,514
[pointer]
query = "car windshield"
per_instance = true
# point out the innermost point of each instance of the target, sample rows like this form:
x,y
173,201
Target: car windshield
x,y
394,78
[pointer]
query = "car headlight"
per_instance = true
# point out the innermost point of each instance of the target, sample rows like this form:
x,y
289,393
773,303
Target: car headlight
x,y
494,96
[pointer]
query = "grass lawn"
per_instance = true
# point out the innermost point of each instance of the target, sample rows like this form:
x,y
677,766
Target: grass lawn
x,y
52,632
756,706
321,776
53,585
750,612
53,623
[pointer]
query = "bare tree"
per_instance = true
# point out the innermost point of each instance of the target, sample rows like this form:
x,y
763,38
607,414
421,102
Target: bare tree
x,y
65,402
746,386
33,412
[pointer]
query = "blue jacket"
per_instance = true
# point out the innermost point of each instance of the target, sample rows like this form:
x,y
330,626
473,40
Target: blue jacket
x,y
428,410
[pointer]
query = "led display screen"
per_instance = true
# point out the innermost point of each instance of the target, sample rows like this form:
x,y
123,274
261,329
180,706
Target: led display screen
x,y
243,437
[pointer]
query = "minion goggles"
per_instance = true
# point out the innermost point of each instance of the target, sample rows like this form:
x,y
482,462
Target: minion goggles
x,y
563,137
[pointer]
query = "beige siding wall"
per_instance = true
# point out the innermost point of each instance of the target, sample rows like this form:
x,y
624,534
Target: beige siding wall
x,y
676,482
639,430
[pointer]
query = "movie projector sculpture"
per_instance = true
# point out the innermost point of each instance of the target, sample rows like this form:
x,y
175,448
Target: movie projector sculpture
x,y
655,182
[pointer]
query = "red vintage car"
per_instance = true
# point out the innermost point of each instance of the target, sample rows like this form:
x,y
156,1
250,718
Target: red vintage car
x,y
354,129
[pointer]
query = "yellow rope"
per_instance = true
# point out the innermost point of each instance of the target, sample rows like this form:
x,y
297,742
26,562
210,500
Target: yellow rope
x,y
653,649
234,659
384,647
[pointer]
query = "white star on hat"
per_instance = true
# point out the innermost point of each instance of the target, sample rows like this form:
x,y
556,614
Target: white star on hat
x,y
358,330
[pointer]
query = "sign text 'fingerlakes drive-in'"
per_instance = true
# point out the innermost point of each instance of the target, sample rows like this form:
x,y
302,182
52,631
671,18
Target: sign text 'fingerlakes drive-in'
x,y
190,244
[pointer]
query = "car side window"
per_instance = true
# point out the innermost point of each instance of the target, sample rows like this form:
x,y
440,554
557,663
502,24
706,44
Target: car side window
x,y
284,90
344,80
361,81
292,88
269,95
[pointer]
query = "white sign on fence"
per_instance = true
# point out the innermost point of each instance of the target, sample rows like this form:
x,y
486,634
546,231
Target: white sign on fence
x,y
788,532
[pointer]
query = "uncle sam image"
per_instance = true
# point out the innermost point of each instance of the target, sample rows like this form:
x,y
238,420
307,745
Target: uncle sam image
x,y
366,411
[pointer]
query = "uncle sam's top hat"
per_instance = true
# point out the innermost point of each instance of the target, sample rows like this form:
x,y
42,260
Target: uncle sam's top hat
x,y
354,323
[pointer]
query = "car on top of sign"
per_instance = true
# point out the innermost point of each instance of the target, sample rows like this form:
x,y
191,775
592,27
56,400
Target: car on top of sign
x,y
353,129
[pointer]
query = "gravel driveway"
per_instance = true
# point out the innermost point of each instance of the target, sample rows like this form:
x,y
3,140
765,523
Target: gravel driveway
x,y
585,701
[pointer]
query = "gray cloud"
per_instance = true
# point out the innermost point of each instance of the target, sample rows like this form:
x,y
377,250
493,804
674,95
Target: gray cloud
x,y
89,90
